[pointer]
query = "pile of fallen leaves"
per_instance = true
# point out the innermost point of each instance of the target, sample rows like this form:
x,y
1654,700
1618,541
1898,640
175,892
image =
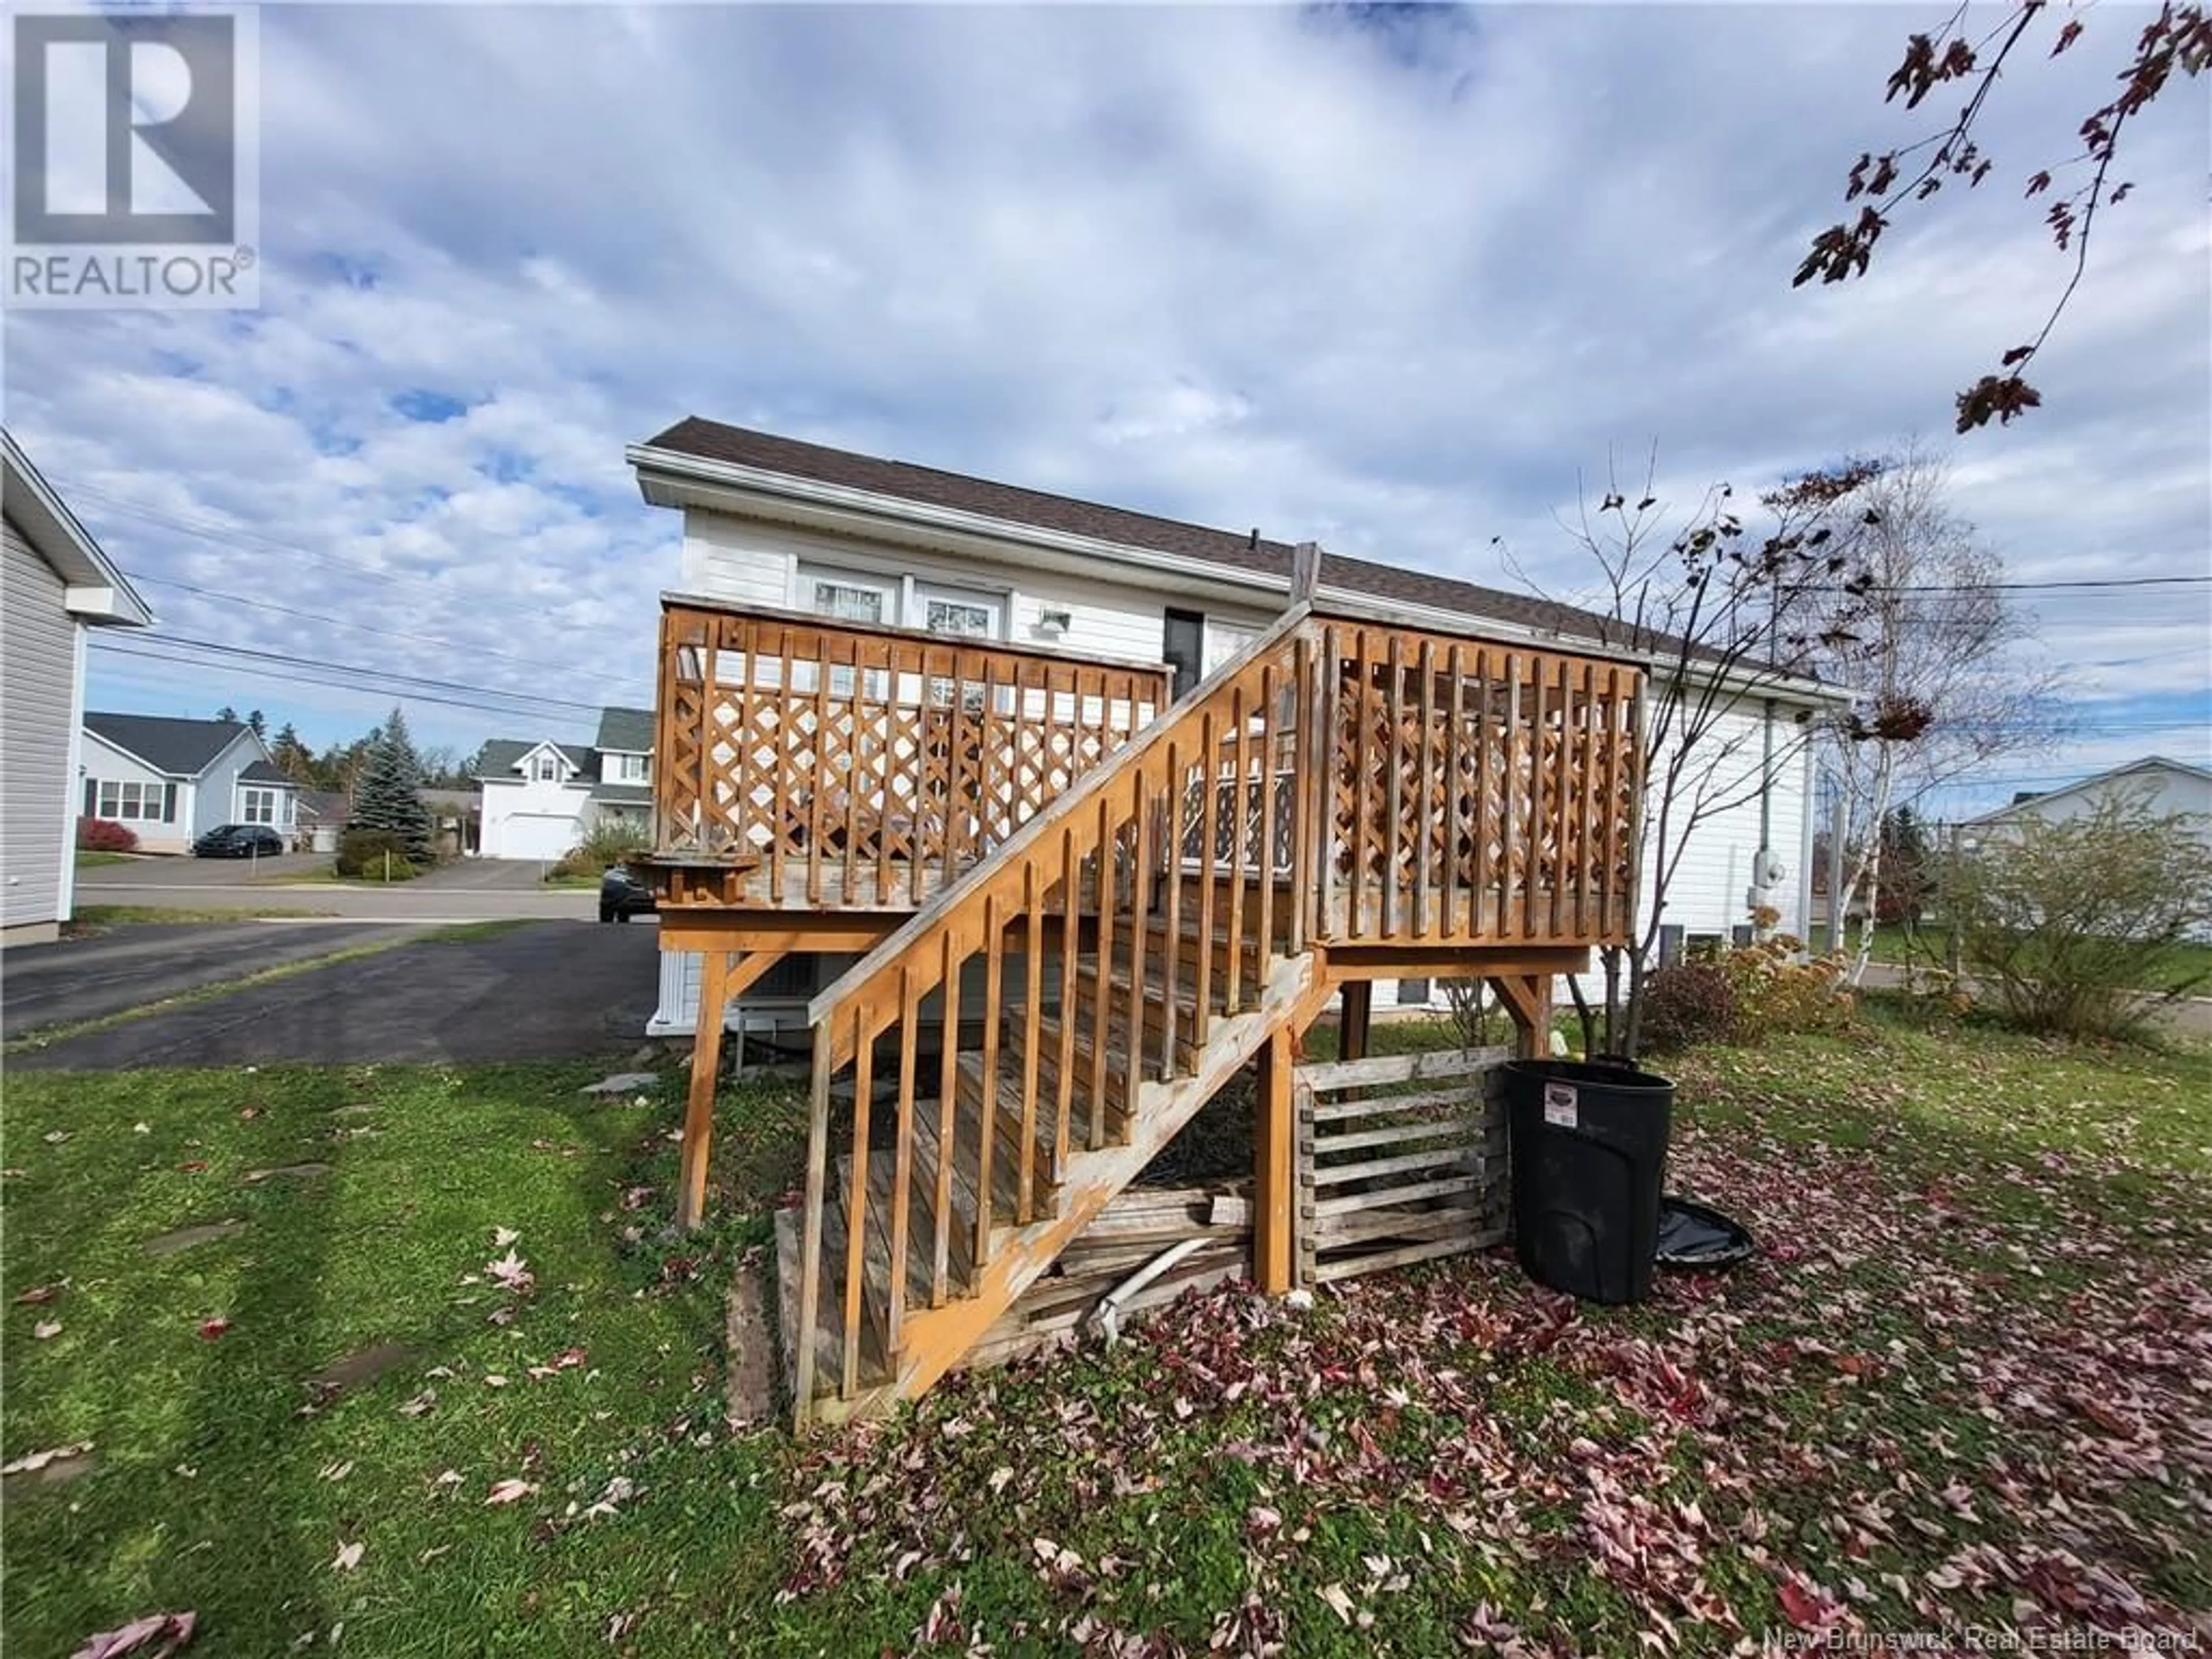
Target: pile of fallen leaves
x,y
1915,1410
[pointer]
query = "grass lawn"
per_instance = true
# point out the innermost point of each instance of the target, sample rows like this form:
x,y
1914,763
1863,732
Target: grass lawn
x,y
86,858
1965,1383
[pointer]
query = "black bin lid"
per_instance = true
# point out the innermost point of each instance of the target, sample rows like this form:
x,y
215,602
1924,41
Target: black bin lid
x,y
1697,1237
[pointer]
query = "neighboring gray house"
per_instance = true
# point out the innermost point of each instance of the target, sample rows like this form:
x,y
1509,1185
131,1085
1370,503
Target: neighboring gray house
x,y
2166,789
171,781
58,585
540,797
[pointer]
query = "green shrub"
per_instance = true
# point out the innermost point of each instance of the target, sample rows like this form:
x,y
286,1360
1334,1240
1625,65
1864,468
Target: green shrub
x,y
610,841
1777,989
2074,928
1687,1003
362,853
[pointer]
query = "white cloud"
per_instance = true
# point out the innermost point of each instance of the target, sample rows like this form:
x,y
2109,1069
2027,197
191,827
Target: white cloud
x,y
1388,285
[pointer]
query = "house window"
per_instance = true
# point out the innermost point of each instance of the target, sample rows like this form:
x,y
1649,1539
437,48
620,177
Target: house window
x,y
549,769
850,601
969,620
257,806
131,803
631,768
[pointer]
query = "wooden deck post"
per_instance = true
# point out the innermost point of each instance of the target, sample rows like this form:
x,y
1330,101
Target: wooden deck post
x,y
1355,1009
1528,998
1274,1170
706,1068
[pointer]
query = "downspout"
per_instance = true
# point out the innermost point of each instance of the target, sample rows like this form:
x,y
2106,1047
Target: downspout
x,y
1764,864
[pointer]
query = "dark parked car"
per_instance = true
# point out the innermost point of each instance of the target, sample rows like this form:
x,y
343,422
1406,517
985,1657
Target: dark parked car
x,y
622,896
239,841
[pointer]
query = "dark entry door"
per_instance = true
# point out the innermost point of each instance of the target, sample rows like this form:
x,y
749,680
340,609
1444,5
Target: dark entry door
x,y
1183,645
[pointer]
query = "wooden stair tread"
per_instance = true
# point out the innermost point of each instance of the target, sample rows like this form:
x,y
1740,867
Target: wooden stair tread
x,y
1045,1174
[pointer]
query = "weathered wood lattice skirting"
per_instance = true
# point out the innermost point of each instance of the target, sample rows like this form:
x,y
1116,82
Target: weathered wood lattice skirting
x,y
1400,1158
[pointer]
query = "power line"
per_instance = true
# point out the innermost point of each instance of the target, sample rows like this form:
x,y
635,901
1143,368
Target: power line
x,y
231,539
259,672
365,628
291,659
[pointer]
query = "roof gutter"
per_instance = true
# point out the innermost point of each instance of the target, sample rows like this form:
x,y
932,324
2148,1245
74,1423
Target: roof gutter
x,y
682,469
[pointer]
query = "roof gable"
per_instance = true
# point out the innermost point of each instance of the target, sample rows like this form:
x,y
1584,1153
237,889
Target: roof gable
x,y
179,748
95,590
2147,763
625,731
504,755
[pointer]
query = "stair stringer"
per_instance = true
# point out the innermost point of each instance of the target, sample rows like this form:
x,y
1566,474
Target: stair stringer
x,y
935,1339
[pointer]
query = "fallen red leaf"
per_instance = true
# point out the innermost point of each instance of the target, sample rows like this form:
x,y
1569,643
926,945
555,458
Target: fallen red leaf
x,y
212,1328
166,1631
1805,1609
39,1295
192,1165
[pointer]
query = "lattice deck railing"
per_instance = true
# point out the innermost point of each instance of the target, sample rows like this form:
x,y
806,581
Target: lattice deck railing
x,y
835,765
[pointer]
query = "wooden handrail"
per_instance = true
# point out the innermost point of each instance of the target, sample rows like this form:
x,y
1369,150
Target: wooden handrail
x,y
1442,791
1066,806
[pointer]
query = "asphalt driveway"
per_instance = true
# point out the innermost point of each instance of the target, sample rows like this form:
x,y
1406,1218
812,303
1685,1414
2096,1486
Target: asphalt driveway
x,y
533,991
81,979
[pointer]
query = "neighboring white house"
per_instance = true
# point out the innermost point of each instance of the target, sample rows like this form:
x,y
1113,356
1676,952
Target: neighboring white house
x,y
171,781
540,797
770,521
2165,788
55,587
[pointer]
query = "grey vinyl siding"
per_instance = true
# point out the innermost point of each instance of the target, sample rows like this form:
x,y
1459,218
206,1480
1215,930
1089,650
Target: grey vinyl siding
x,y
37,673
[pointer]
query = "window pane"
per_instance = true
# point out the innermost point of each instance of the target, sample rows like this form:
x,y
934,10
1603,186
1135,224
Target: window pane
x,y
108,796
130,805
974,621
849,602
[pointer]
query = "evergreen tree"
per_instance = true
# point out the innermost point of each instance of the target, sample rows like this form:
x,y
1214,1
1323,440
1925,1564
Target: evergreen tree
x,y
387,794
227,713
259,722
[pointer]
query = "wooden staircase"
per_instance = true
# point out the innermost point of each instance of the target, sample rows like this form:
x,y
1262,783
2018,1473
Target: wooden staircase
x,y
964,1267
992,1073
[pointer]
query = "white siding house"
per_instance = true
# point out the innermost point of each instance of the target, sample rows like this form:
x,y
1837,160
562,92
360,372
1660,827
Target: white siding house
x,y
171,780
2165,788
55,586
540,797
769,522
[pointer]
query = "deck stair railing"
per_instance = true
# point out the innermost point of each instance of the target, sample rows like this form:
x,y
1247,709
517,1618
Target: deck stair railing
x,y
988,1076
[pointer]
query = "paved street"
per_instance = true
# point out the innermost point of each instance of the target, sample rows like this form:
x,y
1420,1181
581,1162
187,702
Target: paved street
x,y
549,990
81,979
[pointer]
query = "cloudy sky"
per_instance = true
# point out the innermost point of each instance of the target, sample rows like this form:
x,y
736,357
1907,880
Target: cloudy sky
x,y
1385,280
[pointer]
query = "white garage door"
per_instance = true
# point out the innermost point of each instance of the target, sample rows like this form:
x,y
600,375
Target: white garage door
x,y
536,836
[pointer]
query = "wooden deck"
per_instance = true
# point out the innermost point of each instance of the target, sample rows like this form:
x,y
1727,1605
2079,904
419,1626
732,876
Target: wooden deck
x,y
1082,911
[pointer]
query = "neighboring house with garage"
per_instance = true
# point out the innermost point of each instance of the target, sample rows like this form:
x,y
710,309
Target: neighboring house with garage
x,y
171,780
539,796
779,527
55,588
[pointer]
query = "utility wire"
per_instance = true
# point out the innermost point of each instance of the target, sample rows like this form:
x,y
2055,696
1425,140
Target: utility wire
x,y
324,681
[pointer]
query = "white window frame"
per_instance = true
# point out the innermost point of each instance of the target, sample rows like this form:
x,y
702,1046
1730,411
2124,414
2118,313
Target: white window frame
x,y
632,769
253,797
546,768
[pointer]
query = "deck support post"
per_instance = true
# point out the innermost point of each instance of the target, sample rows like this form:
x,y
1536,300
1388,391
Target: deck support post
x,y
1528,998
1274,1169
1355,1014
705,1070
724,976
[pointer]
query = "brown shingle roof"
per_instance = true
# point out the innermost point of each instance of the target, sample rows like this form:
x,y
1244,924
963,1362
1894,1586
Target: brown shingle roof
x,y
902,480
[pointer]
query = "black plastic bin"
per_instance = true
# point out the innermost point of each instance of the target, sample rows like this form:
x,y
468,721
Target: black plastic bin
x,y
1589,1158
